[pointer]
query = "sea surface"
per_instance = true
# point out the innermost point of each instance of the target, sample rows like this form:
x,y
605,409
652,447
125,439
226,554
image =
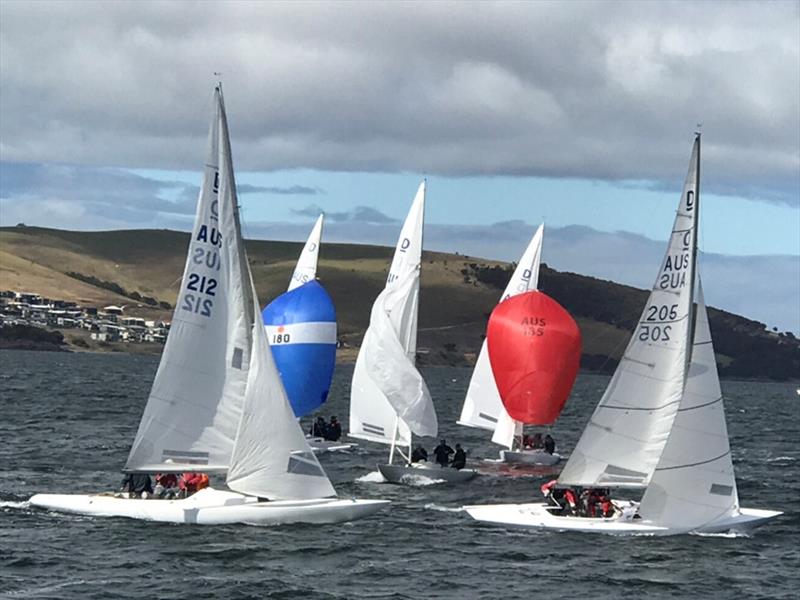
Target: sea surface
x,y
68,421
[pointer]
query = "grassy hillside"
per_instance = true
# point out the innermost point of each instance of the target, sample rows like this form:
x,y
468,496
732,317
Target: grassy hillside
x,y
458,292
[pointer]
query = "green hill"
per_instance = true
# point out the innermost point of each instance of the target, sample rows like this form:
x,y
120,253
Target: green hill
x,y
142,268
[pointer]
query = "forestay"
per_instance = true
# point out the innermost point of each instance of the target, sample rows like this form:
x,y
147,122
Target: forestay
x,y
483,407
694,483
194,406
624,439
306,268
381,410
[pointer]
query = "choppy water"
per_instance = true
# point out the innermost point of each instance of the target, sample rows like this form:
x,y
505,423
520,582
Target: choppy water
x,y
68,420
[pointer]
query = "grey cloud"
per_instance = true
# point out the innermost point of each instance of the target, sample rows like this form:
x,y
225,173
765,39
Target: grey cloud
x,y
360,214
303,190
596,90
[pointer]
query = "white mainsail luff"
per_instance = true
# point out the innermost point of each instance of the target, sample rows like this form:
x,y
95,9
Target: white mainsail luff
x,y
194,407
482,406
306,268
694,483
624,439
373,416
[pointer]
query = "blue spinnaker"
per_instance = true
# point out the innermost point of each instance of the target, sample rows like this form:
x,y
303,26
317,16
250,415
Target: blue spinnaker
x,y
301,329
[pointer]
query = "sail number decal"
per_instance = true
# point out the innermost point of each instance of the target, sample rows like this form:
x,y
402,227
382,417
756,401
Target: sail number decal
x,y
654,333
662,313
533,326
281,338
204,257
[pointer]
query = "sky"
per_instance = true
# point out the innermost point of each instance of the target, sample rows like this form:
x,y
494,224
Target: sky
x,y
576,114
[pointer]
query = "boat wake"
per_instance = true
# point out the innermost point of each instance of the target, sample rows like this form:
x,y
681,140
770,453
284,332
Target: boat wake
x,y
419,480
439,508
727,535
372,477
11,504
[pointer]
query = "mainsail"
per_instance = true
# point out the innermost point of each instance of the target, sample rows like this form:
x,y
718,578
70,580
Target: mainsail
x,y
626,435
482,406
388,397
306,268
694,483
194,406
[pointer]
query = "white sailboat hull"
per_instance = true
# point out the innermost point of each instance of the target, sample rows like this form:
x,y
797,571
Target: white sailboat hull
x,y
407,473
321,446
212,507
539,516
529,457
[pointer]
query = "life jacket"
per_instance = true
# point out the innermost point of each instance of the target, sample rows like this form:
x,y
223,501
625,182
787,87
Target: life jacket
x,y
571,499
202,481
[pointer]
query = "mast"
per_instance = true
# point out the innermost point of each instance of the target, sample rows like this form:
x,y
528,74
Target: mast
x,y
693,280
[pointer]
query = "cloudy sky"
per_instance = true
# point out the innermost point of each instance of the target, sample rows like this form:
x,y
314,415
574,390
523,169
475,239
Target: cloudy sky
x,y
576,113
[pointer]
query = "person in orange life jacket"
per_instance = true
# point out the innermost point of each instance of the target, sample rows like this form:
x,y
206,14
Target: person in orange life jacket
x,y
190,482
442,453
549,444
333,433
606,505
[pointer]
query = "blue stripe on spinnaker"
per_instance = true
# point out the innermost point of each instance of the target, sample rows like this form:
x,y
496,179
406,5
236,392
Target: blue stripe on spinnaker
x,y
306,369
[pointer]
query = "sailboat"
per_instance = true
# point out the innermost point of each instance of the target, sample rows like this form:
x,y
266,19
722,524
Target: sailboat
x,y
301,330
389,400
217,404
483,407
660,425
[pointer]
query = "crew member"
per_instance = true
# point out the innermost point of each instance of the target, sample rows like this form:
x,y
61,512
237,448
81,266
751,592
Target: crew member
x,y
419,454
549,444
459,458
333,432
318,428
166,485
137,485
442,453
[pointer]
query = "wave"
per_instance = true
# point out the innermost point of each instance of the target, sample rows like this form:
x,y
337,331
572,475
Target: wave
x,y
781,459
439,508
11,504
373,477
419,480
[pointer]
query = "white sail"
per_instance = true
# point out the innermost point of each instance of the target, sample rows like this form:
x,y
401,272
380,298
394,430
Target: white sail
x,y
694,483
271,457
194,406
624,439
483,407
306,269
385,382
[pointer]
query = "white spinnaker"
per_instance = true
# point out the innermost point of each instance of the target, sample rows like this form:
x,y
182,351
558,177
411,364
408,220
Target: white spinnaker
x,y
694,483
623,441
482,406
194,406
271,457
372,415
306,269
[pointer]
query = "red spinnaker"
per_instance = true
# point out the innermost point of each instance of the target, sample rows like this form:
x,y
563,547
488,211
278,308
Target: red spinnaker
x,y
535,350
